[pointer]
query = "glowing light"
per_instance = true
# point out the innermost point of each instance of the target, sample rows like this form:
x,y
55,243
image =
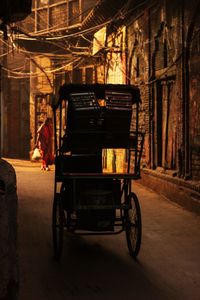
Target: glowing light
x,y
44,1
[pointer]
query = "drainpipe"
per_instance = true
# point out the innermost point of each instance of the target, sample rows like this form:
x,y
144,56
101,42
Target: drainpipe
x,y
187,168
151,98
105,62
3,88
185,93
127,72
184,125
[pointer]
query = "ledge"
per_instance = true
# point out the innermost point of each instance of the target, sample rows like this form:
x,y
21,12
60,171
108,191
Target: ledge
x,y
170,176
183,192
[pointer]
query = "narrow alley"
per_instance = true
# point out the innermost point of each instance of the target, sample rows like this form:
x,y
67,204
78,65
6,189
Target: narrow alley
x,y
108,91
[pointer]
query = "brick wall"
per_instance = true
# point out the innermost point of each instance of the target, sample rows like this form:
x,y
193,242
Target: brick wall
x,y
156,62
194,104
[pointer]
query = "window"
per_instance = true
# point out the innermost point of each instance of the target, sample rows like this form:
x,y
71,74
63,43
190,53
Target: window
x,y
77,76
89,75
74,12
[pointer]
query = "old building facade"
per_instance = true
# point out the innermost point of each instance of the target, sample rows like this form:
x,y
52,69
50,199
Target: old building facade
x,y
162,60
14,95
33,68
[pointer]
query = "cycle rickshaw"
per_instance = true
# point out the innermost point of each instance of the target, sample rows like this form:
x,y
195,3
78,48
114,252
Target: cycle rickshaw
x,y
89,118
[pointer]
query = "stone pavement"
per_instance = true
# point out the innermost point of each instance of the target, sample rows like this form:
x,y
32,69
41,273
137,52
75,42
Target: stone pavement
x,y
183,192
25,163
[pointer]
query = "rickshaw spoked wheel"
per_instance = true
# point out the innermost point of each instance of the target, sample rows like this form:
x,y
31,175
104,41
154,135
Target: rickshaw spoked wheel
x,y
133,225
57,226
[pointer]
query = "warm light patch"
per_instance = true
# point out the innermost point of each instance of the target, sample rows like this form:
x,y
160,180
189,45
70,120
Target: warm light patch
x,y
114,160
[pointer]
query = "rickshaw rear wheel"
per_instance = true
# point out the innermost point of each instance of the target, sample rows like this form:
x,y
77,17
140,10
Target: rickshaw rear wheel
x,y
57,226
133,225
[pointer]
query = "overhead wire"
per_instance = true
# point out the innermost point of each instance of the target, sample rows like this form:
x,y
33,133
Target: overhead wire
x,y
62,67
80,33
25,74
71,35
46,69
76,34
91,29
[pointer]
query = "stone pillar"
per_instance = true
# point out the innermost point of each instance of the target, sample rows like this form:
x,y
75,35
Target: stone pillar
x,y
9,273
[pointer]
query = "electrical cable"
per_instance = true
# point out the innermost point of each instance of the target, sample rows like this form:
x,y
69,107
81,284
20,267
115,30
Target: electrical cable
x,y
81,35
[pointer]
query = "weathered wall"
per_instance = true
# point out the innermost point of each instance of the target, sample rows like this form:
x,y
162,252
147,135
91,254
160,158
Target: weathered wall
x,y
9,264
194,90
168,78
137,70
15,110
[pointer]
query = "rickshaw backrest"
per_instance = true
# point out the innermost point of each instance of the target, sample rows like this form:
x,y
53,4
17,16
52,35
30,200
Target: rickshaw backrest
x,y
91,125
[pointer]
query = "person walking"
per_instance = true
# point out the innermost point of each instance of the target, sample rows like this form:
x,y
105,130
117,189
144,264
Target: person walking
x,y
44,143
